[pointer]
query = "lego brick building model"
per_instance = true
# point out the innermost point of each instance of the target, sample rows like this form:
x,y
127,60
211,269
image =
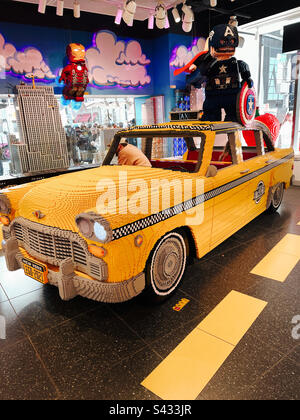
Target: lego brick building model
x,y
112,232
43,145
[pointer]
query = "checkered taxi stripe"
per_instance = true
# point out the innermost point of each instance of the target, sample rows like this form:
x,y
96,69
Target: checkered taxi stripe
x,y
193,202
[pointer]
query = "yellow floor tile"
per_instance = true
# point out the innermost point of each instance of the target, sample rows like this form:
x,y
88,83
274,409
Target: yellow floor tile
x,y
188,369
276,265
289,244
232,317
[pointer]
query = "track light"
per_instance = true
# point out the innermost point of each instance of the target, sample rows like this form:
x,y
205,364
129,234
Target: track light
x,y
213,3
118,16
187,18
129,11
176,15
42,6
160,15
76,9
60,7
167,25
151,22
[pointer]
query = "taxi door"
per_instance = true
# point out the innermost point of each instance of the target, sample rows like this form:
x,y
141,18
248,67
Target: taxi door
x,y
231,193
258,186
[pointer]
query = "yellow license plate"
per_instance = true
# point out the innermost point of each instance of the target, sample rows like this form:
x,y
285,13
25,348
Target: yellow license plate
x,y
35,270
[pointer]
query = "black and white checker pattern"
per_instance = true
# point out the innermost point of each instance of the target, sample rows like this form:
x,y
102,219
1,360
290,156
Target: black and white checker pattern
x,y
193,202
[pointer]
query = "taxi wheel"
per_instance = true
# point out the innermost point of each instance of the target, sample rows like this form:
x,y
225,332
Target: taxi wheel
x,y
276,198
166,266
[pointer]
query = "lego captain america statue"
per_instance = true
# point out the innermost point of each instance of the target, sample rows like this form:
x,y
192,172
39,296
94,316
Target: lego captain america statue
x,y
221,72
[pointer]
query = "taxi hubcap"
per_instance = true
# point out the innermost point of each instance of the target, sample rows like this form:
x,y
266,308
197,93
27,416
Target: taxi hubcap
x,y
168,263
277,197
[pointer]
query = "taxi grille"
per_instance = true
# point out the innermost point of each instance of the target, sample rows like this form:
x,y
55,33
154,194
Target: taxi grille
x,y
53,247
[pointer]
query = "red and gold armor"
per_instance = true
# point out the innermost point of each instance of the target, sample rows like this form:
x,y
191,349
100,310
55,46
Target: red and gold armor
x,y
75,74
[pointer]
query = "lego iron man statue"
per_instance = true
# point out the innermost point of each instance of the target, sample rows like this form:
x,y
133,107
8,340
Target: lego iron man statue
x,y
75,74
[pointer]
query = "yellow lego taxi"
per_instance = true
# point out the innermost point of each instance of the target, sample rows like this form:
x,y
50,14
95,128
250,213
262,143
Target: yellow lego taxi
x,y
113,232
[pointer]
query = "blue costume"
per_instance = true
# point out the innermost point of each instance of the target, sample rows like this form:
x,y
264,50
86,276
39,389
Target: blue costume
x,y
223,78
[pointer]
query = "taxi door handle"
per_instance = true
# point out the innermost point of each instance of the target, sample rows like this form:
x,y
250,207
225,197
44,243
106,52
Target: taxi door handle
x,y
245,171
269,161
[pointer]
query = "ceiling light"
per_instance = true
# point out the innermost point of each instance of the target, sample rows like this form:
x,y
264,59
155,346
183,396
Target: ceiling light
x,y
60,7
129,11
167,25
187,18
213,3
176,15
151,22
76,9
42,6
119,16
160,15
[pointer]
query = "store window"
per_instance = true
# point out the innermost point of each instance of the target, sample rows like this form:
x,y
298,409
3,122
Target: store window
x,y
67,137
277,90
90,129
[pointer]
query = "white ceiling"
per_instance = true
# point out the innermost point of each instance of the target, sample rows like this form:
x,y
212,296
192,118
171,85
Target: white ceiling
x,y
109,7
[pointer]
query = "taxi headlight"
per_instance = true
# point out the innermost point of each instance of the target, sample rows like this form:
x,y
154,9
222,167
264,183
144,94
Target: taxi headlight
x,y
5,206
94,227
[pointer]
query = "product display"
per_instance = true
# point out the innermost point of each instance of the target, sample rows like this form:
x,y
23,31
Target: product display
x,y
42,145
65,232
149,203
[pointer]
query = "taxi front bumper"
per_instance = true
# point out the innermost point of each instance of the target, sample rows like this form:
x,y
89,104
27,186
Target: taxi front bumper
x,y
71,283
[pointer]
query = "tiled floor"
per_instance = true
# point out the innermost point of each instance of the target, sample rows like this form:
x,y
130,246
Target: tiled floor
x,y
86,350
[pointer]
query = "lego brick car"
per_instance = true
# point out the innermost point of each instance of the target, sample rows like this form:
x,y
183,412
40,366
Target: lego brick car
x,y
113,232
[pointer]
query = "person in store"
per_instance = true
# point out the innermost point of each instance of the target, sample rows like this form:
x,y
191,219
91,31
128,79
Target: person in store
x,y
285,137
226,156
131,155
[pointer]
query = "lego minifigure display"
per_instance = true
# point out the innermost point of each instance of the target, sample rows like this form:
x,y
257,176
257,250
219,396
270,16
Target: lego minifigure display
x,y
224,77
75,74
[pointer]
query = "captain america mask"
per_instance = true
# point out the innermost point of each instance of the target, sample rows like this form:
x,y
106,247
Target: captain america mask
x,y
224,39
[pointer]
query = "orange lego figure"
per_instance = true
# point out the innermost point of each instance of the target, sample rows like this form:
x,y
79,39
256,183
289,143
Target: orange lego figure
x,y
75,74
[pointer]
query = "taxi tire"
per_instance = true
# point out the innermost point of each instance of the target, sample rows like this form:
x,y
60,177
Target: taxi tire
x,y
276,199
166,266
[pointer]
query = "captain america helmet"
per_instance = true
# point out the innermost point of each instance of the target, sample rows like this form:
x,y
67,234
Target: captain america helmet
x,y
224,37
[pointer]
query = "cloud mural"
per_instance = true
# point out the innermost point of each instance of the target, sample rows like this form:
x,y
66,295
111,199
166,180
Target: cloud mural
x,y
113,62
6,51
110,62
183,55
27,62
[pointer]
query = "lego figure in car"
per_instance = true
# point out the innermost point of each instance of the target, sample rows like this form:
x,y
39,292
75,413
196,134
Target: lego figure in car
x,y
75,74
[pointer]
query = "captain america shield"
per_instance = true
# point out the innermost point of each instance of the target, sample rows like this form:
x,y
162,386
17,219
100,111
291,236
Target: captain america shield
x,y
246,105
